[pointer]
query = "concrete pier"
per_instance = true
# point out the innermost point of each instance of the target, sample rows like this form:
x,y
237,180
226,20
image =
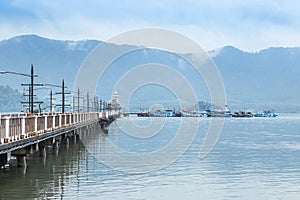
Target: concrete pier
x,y
21,134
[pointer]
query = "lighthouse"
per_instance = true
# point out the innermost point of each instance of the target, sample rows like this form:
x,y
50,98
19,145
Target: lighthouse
x,y
115,105
116,96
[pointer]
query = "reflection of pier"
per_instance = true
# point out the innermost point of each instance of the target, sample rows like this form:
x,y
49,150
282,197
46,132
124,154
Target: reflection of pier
x,y
22,133
44,176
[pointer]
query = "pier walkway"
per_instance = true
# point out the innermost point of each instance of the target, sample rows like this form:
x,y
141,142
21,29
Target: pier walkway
x,y
21,132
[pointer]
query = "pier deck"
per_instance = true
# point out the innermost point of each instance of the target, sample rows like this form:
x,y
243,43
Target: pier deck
x,y
18,132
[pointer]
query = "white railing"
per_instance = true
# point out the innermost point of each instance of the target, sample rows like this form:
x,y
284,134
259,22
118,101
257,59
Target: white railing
x,y
19,126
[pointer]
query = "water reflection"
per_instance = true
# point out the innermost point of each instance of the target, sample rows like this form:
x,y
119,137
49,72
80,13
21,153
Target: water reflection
x,y
254,158
44,176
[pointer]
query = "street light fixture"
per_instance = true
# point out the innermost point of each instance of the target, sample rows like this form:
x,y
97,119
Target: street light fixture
x,y
63,93
31,75
51,96
17,73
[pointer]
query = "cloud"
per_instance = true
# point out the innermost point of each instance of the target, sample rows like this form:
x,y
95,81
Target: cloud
x,y
251,25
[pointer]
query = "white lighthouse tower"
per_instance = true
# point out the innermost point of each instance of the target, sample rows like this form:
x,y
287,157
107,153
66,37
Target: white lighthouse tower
x,y
115,105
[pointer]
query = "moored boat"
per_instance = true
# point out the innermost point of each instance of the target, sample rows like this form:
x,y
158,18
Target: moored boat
x,y
144,114
266,113
191,113
165,113
242,114
226,113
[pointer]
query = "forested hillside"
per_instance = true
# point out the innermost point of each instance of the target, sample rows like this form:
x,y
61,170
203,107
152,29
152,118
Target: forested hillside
x,y
10,100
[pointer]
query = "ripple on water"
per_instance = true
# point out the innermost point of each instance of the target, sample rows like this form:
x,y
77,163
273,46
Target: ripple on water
x,y
257,157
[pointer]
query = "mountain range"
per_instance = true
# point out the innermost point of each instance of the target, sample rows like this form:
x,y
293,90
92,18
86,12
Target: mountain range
x,y
267,79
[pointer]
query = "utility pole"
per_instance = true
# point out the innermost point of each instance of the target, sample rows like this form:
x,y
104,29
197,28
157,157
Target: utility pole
x,y
51,100
88,102
96,104
78,101
78,97
63,93
31,101
63,96
31,90
101,107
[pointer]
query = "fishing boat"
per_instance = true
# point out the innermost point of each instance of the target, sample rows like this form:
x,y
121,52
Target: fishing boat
x,y
242,114
166,113
225,113
193,113
219,113
266,113
144,114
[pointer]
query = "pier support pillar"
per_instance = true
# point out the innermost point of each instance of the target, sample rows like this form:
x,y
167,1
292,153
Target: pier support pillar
x,y
56,142
3,159
42,149
36,147
20,154
21,160
67,142
42,152
56,147
75,138
29,149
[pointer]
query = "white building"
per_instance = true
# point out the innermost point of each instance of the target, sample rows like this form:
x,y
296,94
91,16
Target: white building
x,y
114,104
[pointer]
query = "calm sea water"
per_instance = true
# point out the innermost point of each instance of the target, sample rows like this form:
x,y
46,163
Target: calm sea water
x,y
257,158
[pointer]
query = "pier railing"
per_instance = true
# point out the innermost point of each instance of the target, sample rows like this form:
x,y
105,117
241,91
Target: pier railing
x,y
15,127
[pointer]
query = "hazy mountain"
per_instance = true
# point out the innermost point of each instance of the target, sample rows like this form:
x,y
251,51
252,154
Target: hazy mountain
x,y
267,78
53,60
261,80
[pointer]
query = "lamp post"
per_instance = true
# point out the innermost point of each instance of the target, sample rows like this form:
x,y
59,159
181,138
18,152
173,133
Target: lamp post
x,y
76,99
63,93
51,94
51,99
31,85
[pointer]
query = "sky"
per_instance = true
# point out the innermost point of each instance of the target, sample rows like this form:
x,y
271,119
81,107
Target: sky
x,y
250,25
